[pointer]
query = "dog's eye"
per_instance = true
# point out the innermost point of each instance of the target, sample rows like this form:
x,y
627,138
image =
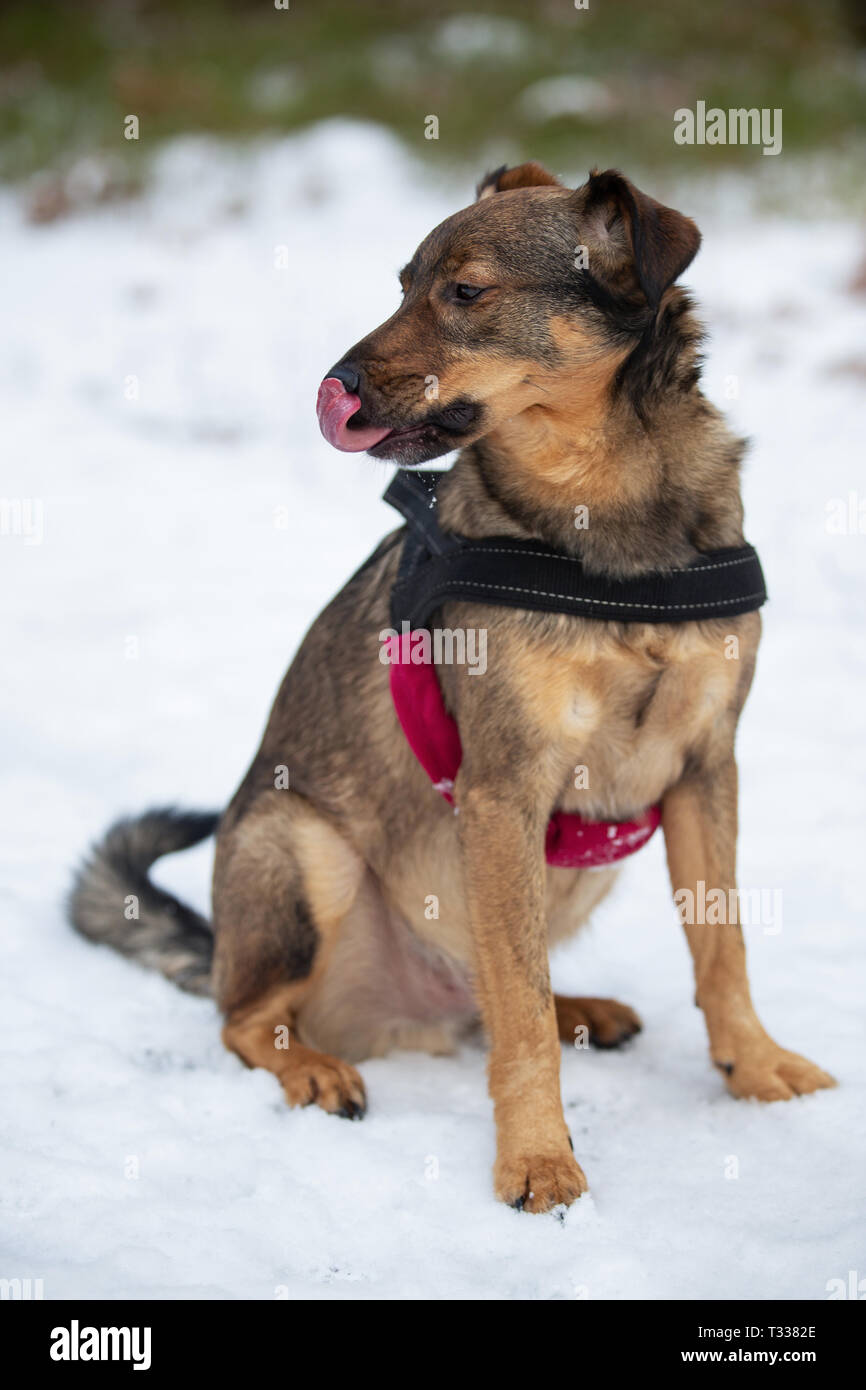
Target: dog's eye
x,y
467,292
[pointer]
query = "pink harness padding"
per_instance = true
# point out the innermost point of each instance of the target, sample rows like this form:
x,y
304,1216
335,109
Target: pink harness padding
x,y
571,842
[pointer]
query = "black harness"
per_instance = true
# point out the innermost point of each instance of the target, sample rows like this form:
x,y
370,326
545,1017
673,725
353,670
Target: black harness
x,y
436,565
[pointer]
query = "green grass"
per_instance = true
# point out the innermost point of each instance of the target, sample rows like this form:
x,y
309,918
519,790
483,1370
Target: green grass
x,y
70,73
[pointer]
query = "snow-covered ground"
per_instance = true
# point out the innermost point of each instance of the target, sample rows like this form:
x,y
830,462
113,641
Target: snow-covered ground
x,y
170,552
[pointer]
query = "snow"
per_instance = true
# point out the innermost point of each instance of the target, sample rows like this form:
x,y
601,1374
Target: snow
x,y
190,535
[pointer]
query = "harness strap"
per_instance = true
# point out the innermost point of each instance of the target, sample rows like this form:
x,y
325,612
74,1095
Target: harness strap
x,y
436,566
570,842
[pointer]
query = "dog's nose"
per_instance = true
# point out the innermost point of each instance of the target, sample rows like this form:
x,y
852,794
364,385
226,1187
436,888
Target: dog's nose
x,y
349,375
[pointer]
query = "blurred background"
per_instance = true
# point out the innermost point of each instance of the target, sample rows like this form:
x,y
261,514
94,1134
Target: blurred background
x,y
572,85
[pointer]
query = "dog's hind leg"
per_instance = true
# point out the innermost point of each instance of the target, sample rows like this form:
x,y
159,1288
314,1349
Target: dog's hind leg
x,y
284,878
607,1022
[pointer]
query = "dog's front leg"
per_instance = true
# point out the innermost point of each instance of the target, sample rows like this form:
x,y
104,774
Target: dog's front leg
x,y
502,844
700,826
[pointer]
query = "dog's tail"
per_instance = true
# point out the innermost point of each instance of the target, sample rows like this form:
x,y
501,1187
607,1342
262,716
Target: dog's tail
x,y
113,900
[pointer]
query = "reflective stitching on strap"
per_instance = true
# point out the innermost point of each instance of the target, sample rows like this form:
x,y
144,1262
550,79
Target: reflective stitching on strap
x,y
571,598
575,560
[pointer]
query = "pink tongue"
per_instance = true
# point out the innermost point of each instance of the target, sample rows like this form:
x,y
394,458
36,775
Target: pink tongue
x,y
335,406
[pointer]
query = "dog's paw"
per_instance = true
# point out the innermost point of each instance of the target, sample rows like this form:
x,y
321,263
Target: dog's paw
x,y
539,1183
769,1072
607,1022
317,1079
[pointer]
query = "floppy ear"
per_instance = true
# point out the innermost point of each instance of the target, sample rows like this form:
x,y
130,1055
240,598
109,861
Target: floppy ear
x,y
529,175
623,223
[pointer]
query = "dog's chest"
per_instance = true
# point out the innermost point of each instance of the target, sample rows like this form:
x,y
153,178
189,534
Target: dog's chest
x,y
623,716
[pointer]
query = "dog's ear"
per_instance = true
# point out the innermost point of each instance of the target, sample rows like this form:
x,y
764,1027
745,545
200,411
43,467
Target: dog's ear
x,y
620,223
529,175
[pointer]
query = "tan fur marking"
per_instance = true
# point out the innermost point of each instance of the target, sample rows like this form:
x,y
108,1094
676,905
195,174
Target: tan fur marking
x,y
700,834
331,869
535,1166
307,1077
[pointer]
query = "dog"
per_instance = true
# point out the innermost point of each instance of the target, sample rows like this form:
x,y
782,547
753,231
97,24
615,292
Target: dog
x,y
542,336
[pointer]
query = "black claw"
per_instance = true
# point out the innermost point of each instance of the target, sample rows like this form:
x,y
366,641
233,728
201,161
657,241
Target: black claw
x,y
726,1067
570,1143
618,1041
520,1203
352,1110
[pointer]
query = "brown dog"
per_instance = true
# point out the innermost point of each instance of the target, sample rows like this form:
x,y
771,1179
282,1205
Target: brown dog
x,y
540,334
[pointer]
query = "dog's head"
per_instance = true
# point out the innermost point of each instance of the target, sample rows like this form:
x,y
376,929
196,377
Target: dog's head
x,y
533,289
